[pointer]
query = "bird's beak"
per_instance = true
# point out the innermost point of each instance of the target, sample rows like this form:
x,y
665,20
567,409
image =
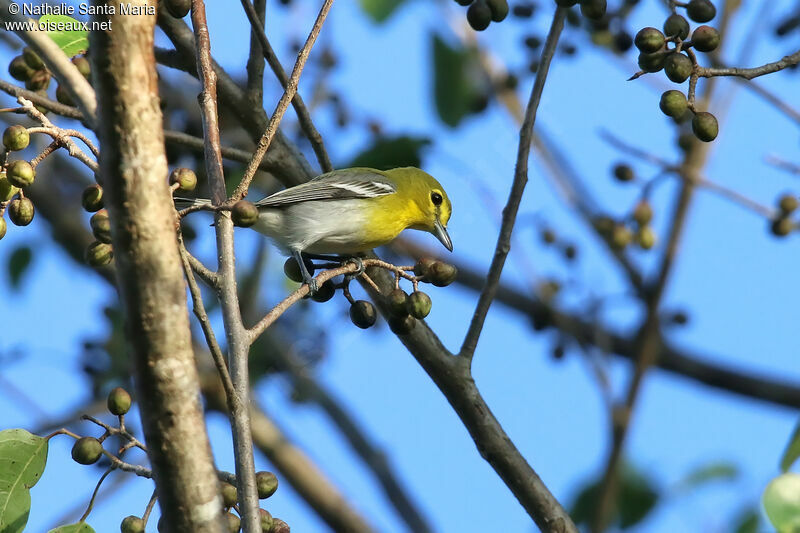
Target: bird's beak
x,y
441,233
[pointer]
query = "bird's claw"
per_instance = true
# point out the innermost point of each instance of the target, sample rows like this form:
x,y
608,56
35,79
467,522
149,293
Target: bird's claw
x,y
360,268
313,287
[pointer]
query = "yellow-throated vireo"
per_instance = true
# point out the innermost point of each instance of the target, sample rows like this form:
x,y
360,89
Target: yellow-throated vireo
x,y
352,210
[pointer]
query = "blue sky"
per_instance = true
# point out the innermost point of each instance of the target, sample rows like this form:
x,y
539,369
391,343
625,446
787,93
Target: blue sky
x,y
738,283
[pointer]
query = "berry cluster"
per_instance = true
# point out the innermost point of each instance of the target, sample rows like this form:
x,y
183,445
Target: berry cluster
x,y
679,62
30,69
481,13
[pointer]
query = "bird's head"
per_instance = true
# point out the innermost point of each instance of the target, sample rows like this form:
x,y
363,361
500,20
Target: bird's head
x,y
434,207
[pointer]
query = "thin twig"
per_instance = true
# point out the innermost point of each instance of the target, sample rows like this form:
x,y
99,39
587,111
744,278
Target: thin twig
x,y
283,104
515,195
303,116
94,494
750,73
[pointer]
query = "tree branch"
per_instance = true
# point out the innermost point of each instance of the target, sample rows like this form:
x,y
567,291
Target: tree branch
x,y
750,73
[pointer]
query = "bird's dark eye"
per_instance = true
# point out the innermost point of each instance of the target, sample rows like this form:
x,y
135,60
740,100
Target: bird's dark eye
x,y
436,198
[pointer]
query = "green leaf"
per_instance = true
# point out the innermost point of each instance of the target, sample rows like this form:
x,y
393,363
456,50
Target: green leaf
x,y
18,263
781,500
636,498
458,85
380,10
80,527
717,471
792,451
22,460
747,522
392,152
67,33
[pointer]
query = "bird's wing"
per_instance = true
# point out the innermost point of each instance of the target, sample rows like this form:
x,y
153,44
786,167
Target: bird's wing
x,y
336,185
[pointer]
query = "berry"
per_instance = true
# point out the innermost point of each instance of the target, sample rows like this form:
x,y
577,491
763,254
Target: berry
x,y
623,172
566,3
685,141
19,69
621,236
787,203
651,62
39,80
705,126
422,266
548,236
132,524
499,9
229,495
32,58
63,96
178,8
99,254
7,190
705,39
87,450
184,177
418,305
363,314
119,401
83,66
20,173
701,10
16,138
402,326
442,274
678,67
3,227
279,526
292,269
649,40
673,103
646,237
593,9
266,521
524,10
20,211
396,301
622,41
267,484
234,522
781,226
643,213
244,213
92,198
479,15
464,3
324,292
101,226
676,25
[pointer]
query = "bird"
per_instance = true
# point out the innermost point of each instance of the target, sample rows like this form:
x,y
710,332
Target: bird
x,y
349,211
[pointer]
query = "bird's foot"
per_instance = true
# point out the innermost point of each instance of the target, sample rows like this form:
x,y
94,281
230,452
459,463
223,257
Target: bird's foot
x,y
360,268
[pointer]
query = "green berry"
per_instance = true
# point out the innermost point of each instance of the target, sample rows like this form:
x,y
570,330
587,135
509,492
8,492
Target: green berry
x,y
32,58
292,269
3,227
705,39
101,226
184,177
279,526
646,237
705,126
442,274
233,522
548,236
178,8
418,305
99,254
643,213
781,226
651,62
63,96
87,450
20,173
7,190
119,401
673,103
479,15
499,9
266,521
623,172
402,325
21,211
324,292
701,10
267,484
92,198
16,138
132,524
244,213
621,236
685,141
593,9
83,66
19,69
363,314
676,25
787,203
649,40
229,495
422,265
396,302
678,67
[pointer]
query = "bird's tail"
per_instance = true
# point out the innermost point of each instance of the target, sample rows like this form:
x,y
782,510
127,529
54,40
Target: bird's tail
x,y
183,203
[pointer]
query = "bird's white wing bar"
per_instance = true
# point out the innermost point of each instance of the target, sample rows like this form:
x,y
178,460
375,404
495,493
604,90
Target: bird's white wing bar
x,y
336,185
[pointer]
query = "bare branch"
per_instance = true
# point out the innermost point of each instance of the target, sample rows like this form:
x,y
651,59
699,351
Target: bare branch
x,y
750,73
